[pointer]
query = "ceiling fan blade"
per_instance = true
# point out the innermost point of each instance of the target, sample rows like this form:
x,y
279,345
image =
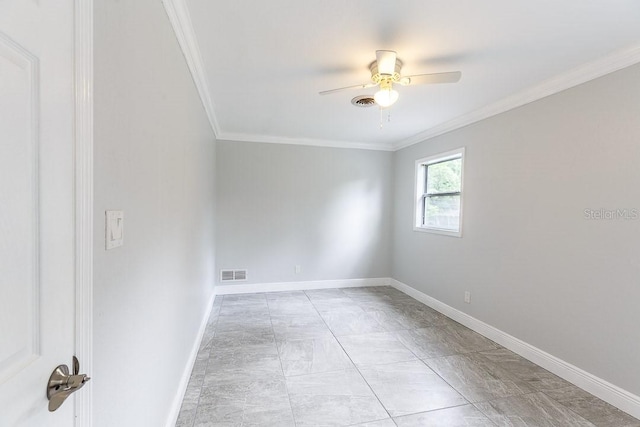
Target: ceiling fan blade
x,y
386,60
421,79
361,86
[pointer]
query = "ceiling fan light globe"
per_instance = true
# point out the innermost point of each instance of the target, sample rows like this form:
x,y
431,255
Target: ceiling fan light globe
x,y
386,97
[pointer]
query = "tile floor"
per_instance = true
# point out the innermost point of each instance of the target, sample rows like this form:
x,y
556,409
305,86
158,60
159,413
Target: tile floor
x,y
370,357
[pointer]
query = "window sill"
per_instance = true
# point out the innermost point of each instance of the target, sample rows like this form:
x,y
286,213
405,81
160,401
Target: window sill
x,y
439,231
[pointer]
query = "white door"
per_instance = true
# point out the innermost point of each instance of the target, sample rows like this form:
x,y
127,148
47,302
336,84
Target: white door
x,y
37,308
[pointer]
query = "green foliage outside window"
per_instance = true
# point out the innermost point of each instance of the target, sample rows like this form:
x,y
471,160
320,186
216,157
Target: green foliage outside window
x,y
443,177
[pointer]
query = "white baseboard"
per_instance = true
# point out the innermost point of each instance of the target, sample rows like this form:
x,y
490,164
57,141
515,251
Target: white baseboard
x,y
186,375
299,286
616,396
603,389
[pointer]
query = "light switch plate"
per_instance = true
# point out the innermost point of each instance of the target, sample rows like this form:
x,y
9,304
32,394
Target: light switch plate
x,y
114,229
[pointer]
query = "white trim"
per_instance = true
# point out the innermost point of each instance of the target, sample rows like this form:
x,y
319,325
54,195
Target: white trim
x,y
606,391
245,137
186,374
180,19
83,196
613,62
299,286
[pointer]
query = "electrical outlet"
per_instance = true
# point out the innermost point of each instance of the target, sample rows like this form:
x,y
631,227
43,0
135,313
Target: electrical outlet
x,y
298,269
467,297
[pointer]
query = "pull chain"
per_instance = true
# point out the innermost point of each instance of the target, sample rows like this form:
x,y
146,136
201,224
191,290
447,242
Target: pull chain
x,y
388,116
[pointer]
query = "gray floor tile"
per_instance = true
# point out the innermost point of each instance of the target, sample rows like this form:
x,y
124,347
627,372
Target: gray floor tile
x,y
243,299
422,313
298,296
351,322
388,320
459,416
325,294
205,343
591,408
340,304
190,402
378,348
242,338
429,342
253,323
215,312
242,362
381,423
405,315
362,291
368,297
288,327
334,398
531,410
255,402
413,320
375,303
410,387
244,309
467,340
476,378
232,376
295,303
252,340
244,305
291,306
392,292
186,417
313,355
197,376
538,378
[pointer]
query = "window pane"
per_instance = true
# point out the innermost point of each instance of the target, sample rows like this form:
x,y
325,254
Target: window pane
x,y
442,212
444,177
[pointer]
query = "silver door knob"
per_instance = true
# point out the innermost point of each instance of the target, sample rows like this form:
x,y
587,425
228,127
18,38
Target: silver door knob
x,y
61,384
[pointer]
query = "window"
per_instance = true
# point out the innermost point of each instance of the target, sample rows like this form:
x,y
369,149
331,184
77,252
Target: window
x,y
439,193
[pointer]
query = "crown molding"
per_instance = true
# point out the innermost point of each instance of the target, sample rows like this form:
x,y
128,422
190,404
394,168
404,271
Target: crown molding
x,y
178,13
244,137
180,19
608,64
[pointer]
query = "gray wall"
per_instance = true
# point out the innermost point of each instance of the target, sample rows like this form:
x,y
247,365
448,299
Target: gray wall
x,y
535,266
154,157
325,209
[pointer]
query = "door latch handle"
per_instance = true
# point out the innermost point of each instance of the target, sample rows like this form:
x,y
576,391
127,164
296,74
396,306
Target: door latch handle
x,y
62,384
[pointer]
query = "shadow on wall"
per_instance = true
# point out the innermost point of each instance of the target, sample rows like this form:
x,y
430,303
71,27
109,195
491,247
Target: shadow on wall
x,y
338,234
351,228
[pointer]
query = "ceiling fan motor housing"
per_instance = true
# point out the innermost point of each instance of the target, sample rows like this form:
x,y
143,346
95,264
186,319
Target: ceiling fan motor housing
x,y
378,77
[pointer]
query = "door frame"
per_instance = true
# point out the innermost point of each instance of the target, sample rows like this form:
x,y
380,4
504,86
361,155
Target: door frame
x,y
83,200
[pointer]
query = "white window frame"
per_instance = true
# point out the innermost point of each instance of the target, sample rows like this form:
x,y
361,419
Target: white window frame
x,y
419,182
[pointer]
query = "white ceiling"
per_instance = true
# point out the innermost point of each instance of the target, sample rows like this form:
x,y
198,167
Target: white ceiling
x,y
264,62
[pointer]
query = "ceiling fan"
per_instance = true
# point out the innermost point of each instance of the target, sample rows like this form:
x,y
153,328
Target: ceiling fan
x,y
385,72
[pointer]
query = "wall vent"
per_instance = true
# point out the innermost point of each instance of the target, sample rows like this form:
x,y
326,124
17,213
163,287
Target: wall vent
x,y
233,275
